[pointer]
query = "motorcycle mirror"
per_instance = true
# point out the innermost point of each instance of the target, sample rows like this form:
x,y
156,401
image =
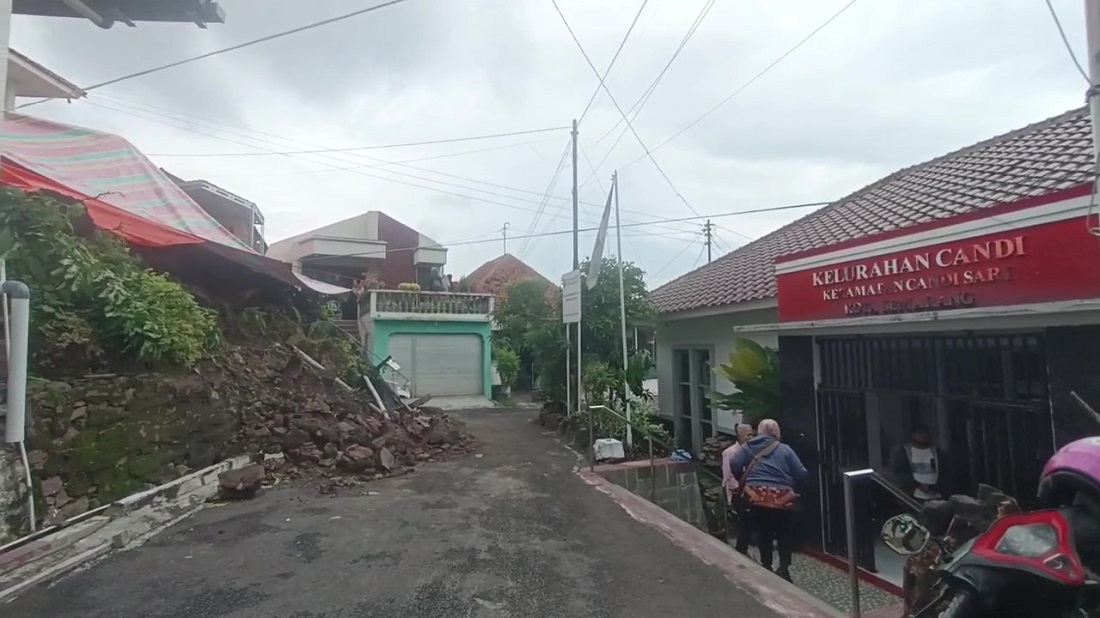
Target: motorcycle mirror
x,y
904,535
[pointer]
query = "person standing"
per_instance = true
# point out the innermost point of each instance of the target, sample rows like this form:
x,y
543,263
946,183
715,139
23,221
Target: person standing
x,y
735,503
769,472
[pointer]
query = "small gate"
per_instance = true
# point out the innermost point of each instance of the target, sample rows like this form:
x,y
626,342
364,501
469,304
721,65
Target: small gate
x,y
994,390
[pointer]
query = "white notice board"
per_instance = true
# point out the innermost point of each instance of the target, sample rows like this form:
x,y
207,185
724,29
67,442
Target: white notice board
x,y
571,297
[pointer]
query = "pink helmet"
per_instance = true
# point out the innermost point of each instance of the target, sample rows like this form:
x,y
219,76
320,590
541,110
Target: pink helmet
x,y
1074,469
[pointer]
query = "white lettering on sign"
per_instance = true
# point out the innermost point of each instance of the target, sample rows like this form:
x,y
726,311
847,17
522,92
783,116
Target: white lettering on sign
x,y
929,270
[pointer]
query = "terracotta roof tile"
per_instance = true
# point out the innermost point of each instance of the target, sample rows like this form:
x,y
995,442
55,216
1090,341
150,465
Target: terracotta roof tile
x,y
1047,156
494,276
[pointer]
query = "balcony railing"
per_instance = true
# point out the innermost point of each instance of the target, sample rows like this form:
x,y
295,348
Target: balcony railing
x,y
439,305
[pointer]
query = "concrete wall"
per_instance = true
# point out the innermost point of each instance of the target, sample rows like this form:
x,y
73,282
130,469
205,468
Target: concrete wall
x,y
671,485
714,332
382,330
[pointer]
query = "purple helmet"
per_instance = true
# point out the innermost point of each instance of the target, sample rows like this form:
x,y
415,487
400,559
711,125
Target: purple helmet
x,y
1074,469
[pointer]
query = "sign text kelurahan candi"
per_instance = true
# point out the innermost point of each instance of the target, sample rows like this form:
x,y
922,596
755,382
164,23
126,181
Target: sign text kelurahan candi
x,y
1050,262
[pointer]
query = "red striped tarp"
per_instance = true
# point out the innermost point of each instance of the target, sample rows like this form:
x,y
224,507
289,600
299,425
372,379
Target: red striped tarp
x,y
122,190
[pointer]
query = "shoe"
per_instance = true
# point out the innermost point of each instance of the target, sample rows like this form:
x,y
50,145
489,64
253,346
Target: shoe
x,y
785,573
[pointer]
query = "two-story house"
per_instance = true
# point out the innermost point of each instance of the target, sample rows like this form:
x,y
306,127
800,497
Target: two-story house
x,y
372,243
439,340
236,214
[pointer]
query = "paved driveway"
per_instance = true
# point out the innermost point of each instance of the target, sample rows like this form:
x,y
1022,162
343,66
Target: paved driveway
x,y
514,533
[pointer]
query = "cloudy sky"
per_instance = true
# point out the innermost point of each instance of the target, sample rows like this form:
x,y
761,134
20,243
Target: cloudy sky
x,y
887,84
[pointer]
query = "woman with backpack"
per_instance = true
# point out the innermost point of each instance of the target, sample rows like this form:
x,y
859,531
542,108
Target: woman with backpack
x,y
768,472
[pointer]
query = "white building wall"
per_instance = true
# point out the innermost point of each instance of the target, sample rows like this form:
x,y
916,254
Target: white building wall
x,y
715,331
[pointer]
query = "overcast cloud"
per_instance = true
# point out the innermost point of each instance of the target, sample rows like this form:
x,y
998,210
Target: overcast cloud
x,y
889,84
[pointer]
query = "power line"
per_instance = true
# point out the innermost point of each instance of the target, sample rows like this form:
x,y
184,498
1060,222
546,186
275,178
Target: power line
x,y
242,131
355,170
613,59
546,195
1065,40
748,83
700,256
621,112
636,108
270,37
355,148
623,226
669,263
401,162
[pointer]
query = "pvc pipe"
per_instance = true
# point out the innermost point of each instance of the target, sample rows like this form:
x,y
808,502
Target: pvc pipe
x,y
17,361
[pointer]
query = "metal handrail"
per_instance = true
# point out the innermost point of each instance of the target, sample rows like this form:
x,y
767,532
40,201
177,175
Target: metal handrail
x,y
850,522
645,431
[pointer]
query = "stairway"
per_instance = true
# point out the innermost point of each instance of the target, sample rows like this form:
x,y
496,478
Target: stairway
x,y
350,327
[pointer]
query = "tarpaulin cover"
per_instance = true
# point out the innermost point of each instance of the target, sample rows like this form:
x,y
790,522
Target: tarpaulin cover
x,y
321,287
122,190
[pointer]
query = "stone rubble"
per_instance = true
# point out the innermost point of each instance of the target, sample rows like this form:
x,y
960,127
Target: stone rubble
x,y
99,438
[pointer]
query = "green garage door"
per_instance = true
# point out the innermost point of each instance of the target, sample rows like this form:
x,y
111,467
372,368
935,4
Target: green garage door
x,y
439,365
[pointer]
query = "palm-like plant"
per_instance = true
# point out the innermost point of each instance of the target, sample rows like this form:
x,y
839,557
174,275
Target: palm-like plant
x,y
754,371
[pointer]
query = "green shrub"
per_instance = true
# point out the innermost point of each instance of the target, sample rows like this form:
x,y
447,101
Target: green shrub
x,y
507,365
88,289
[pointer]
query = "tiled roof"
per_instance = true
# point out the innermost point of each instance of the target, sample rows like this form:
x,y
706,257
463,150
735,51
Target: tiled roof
x,y
1047,156
494,276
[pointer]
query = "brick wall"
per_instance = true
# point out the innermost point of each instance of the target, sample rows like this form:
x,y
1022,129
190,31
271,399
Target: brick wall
x,y
398,267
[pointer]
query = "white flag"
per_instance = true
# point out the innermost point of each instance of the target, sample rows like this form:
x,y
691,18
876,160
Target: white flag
x,y
597,251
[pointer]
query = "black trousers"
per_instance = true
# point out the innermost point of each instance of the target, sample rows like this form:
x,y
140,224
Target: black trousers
x,y
745,528
774,526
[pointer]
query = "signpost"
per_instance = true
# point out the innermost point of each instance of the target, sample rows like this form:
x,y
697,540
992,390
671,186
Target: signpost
x,y
571,314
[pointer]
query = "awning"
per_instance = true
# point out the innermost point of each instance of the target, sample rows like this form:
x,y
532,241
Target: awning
x,y
321,287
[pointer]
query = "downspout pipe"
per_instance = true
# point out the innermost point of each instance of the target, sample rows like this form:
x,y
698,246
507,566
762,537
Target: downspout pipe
x,y
16,421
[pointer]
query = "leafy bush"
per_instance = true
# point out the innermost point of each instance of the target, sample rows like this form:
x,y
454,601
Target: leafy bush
x,y
87,289
507,365
754,371
643,417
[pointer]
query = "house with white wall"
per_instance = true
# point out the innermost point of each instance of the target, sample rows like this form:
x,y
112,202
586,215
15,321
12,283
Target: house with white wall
x,y
961,294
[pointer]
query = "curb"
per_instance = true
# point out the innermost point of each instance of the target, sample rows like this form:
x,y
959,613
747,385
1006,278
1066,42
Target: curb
x,y
131,521
780,596
182,487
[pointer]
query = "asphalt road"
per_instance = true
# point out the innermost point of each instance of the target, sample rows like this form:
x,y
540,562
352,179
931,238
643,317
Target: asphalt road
x,y
514,533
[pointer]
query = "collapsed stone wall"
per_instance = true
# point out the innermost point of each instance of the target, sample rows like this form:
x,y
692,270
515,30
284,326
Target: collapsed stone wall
x,y
94,440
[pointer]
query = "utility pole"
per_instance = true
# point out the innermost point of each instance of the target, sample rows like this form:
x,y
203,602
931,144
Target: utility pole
x,y
576,226
504,235
1092,30
708,232
576,265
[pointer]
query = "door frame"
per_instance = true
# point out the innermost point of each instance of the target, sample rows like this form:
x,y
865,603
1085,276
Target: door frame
x,y
695,402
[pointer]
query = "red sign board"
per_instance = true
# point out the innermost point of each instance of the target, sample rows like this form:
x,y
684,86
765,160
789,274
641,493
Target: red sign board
x,y
1045,263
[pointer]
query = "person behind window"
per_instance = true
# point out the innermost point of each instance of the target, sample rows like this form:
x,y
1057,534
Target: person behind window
x,y
736,507
918,466
769,473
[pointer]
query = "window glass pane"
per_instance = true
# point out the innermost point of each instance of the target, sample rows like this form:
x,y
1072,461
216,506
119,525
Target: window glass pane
x,y
702,366
682,366
706,412
706,429
683,402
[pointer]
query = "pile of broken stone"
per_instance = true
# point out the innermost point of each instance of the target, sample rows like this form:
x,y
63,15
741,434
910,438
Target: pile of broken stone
x,y
316,427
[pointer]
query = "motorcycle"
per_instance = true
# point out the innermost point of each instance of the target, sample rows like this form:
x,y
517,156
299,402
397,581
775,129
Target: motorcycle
x,y
1024,565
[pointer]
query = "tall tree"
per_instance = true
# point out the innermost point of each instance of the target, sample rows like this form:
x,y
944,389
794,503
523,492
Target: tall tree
x,y
529,320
